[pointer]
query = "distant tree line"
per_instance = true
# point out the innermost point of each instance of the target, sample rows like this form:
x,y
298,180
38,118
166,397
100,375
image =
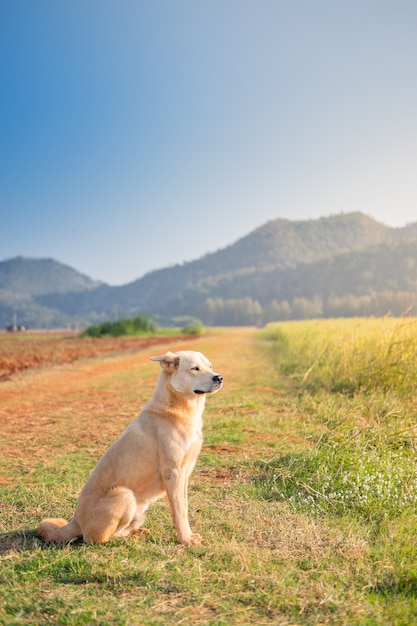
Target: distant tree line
x,y
248,312
232,312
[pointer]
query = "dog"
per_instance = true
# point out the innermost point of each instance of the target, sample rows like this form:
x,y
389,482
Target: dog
x,y
154,456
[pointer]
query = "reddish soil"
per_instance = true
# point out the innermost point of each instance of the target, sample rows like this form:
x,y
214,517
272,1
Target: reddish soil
x,y
60,407
31,350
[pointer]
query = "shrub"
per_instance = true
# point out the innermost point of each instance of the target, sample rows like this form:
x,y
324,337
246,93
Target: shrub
x,y
193,328
141,324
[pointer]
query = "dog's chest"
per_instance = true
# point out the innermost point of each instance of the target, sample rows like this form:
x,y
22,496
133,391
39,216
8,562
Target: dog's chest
x,y
193,438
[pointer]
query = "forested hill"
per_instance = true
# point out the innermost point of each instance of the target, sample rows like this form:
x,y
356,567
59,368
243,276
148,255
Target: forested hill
x,y
22,280
283,243
339,265
36,277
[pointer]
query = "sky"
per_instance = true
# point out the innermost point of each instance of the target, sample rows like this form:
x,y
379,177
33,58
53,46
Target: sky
x,y
138,134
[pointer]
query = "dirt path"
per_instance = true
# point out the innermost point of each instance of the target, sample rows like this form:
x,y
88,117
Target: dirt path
x,y
86,404
58,411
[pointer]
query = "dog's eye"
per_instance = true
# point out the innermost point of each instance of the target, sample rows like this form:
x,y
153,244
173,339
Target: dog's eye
x,y
197,369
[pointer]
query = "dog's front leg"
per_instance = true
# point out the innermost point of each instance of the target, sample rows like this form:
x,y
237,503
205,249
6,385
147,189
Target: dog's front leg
x,y
176,484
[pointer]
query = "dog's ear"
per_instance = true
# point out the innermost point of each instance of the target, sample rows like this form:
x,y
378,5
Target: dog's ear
x,y
168,361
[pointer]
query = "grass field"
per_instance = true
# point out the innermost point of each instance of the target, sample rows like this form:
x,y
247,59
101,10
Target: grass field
x,y
305,492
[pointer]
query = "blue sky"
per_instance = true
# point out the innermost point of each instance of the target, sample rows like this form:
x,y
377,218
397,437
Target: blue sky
x,y
139,134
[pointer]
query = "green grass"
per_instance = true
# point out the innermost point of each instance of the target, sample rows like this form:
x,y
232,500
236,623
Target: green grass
x,y
305,494
354,382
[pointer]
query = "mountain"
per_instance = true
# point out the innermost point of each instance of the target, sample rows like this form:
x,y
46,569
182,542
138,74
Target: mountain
x,y
267,273
36,277
22,280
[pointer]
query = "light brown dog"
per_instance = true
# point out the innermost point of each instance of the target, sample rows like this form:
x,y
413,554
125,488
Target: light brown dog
x,y
154,456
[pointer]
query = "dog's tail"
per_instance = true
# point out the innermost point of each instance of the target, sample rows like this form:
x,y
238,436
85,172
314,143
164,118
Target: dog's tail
x,y
57,530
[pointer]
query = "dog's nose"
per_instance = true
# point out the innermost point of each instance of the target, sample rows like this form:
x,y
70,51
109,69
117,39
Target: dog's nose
x,y
217,378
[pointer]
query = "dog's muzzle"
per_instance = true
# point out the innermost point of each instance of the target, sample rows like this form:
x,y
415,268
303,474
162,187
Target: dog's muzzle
x,y
217,382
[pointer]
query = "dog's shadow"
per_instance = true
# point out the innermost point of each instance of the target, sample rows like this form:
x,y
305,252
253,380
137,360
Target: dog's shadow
x,y
26,540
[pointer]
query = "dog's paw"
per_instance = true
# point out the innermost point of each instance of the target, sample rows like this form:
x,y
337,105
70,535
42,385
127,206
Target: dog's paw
x,y
140,532
192,540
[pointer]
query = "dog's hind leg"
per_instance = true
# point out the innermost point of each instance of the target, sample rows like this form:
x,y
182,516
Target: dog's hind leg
x,y
136,525
112,516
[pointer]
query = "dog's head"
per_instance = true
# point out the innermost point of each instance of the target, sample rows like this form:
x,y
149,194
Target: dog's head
x,y
190,372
